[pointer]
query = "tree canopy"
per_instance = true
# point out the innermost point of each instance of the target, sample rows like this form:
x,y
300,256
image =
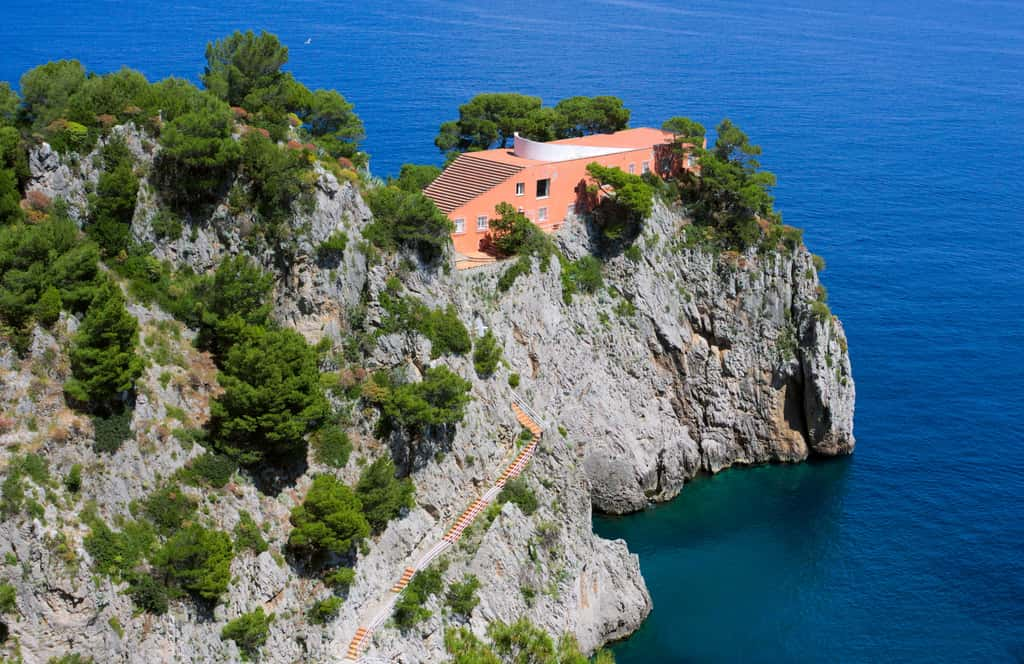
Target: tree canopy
x,y
198,560
439,399
103,358
516,643
490,120
329,521
271,398
198,156
382,494
407,219
244,69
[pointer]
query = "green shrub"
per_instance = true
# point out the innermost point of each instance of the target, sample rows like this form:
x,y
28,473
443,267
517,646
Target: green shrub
x,y
521,641
248,535
210,469
340,578
486,355
633,253
409,609
8,597
415,177
168,508
517,491
197,560
325,610
236,296
821,311
461,597
407,219
73,480
148,594
512,233
278,179
167,225
112,207
819,263
111,431
197,155
334,246
582,275
439,399
104,361
382,495
70,658
249,631
115,553
523,265
627,200
331,446
271,397
443,327
329,520
513,380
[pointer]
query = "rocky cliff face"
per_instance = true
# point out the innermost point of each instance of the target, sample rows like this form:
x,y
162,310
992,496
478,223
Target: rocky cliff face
x,y
687,361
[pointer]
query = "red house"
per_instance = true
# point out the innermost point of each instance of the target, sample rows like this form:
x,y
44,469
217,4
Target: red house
x,y
541,179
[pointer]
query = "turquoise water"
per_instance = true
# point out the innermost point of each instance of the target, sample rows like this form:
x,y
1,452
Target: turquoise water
x,y
896,132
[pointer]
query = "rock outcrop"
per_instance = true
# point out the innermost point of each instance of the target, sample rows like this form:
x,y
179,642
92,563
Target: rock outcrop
x,y
688,361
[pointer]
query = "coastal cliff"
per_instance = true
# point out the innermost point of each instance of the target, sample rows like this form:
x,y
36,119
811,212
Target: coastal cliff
x,y
688,360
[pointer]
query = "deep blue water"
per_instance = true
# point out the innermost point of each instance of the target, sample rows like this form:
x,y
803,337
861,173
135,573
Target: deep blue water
x,y
897,133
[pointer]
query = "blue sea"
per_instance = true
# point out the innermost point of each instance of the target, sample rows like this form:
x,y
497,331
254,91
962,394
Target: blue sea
x,y
897,132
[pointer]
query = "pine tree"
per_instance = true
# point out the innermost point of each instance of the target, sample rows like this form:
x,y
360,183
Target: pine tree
x,y
103,358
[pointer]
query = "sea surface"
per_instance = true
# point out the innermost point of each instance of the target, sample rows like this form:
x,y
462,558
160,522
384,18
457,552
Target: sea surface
x,y
897,132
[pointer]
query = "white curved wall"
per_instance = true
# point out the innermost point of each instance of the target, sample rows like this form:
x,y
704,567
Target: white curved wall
x,y
527,149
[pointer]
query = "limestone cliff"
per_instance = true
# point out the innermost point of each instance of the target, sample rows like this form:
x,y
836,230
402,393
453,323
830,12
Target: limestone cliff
x,y
687,361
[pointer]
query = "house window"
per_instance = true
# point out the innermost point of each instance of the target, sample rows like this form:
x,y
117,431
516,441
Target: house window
x,y
645,167
632,169
690,161
520,188
481,222
543,188
460,226
542,214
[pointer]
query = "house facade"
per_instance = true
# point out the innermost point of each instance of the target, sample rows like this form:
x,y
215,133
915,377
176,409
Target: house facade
x,y
540,179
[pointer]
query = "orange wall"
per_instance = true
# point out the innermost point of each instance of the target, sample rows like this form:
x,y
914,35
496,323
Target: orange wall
x,y
564,176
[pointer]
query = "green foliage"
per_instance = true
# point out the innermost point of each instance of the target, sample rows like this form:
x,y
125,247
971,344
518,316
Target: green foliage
x,y
487,354
70,658
197,560
278,178
197,156
333,246
247,534
329,520
732,192
415,177
244,69
271,398
513,380
340,578
111,430
209,469
581,275
439,399
522,266
517,491
112,206
628,199
108,95
819,263
8,597
9,103
407,219
148,594
45,90
116,553
685,129
490,120
443,327
325,610
236,297
409,609
520,642
461,597
633,253
167,225
821,311
334,125
383,496
103,358
249,631
331,446
168,508
35,258
73,480
512,233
